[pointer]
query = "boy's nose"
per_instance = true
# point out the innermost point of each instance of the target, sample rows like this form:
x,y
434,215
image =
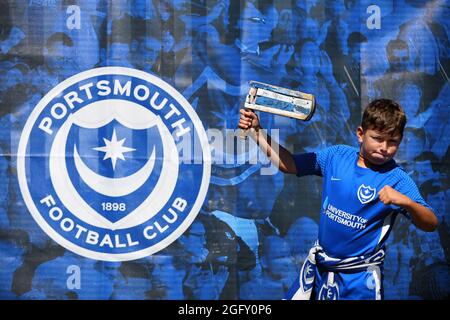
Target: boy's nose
x,y
383,146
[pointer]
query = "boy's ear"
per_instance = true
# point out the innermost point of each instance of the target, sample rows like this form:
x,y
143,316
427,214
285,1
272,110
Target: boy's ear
x,y
359,134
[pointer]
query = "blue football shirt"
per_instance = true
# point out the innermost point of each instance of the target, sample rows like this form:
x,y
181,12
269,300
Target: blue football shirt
x,y
353,220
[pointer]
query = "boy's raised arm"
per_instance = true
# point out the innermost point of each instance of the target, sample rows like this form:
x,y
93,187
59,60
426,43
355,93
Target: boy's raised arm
x,y
277,154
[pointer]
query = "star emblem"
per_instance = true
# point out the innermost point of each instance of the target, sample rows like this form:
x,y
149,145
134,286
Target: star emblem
x,y
308,270
114,149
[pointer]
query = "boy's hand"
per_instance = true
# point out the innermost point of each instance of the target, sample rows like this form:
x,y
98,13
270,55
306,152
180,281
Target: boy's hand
x,y
388,196
248,119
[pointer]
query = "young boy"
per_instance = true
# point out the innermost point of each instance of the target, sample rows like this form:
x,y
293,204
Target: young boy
x,y
363,191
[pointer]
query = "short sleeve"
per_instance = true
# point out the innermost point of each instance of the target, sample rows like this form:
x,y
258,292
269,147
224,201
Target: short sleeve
x,y
306,164
317,163
408,187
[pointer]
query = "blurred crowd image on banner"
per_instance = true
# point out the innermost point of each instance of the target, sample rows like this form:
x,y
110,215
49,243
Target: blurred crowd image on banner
x,y
254,230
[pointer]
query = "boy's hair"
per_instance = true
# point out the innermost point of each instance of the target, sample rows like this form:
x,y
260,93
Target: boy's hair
x,y
384,115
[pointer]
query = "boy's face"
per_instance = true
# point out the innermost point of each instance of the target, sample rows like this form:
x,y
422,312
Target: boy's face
x,y
377,147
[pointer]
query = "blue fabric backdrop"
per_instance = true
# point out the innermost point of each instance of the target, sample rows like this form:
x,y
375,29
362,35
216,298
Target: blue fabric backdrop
x,y
254,230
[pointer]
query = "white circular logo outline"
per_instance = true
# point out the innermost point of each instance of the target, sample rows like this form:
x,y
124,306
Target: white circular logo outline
x,y
22,179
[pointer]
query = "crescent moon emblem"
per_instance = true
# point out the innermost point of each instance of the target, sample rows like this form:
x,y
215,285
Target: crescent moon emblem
x,y
150,206
113,187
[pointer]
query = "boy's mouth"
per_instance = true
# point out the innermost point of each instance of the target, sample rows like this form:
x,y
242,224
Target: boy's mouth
x,y
379,158
380,155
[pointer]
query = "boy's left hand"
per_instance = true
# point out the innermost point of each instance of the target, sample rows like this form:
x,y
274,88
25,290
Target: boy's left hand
x,y
389,195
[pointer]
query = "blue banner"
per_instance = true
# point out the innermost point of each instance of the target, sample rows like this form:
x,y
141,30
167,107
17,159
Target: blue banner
x,y
121,168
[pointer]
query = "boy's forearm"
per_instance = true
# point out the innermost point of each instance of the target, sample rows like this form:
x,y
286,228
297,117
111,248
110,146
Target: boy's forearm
x,y
422,217
278,155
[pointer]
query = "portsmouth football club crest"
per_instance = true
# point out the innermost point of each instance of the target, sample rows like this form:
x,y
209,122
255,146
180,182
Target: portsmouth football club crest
x,y
366,194
308,275
100,168
329,291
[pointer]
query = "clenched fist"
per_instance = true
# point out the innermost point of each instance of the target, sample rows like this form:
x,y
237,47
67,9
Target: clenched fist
x,y
388,196
248,119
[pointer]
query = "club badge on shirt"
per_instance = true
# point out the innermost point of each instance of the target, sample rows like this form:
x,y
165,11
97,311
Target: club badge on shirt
x,y
366,193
